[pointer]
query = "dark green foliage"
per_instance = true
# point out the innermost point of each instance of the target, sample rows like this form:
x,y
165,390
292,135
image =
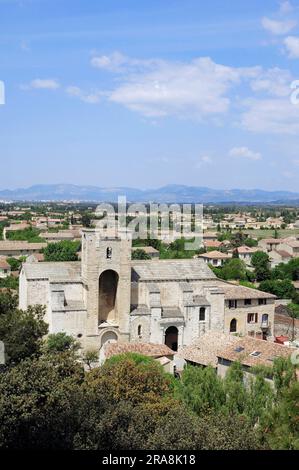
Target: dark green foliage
x,y
9,282
283,289
140,254
21,331
260,262
62,251
14,263
60,342
29,234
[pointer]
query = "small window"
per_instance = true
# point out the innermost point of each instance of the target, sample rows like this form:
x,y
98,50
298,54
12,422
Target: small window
x,y
262,301
202,314
250,318
139,330
232,304
239,349
255,353
233,326
247,302
109,252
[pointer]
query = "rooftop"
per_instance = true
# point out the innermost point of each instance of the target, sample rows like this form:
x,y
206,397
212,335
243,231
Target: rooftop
x,y
69,271
147,349
20,245
215,255
232,291
206,348
252,352
172,269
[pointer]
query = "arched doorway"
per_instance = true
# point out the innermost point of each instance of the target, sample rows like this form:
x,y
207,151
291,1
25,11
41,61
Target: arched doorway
x,y
107,295
171,337
108,337
233,326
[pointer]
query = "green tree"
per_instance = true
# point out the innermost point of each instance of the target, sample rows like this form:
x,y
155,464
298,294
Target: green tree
x,y
282,427
59,342
21,332
14,263
62,251
260,262
201,388
86,220
140,254
283,289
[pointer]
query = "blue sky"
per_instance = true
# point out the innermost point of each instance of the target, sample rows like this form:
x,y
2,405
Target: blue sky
x,y
148,93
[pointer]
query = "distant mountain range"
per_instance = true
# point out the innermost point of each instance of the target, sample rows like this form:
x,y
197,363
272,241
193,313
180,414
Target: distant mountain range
x,y
171,193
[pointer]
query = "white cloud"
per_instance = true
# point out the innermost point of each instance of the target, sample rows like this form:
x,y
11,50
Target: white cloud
x,y
113,63
272,116
42,84
288,174
278,27
292,46
162,88
244,152
275,82
91,98
286,7
203,161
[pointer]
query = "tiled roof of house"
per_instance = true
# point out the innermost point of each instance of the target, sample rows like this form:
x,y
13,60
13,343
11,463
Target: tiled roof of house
x,y
232,291
246,249
252,352
206,348
212,243
178,269
20,245
4,264
147,249
68,271
147,349
284,254
293,243
215,255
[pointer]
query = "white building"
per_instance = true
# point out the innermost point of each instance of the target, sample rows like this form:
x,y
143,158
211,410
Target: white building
x,y
107,297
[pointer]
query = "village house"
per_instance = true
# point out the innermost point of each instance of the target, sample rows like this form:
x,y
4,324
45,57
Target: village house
x,y
215,258
19,248
245,253
5,269
107,297
250,352
160,352
149,250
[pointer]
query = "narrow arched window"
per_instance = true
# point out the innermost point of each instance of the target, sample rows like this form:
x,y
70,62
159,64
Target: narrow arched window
x,y
109,252
139,330
233,326
202,314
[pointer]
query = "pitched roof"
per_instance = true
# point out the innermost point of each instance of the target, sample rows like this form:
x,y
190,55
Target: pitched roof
x,y
206,348
170,269
232,291
147,349
68,271
146,249
283,253
4,264
252,352
246,249
212,243
215,255
20,245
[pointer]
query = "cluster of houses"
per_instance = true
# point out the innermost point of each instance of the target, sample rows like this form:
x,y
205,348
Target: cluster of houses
x,y
175,311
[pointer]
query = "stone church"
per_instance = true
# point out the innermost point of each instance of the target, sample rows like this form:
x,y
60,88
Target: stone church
x,y
107,296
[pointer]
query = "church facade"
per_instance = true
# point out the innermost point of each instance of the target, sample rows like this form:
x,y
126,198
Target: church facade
x,y
107,296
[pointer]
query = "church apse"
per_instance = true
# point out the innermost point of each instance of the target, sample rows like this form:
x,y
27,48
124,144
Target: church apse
x,y
108,283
